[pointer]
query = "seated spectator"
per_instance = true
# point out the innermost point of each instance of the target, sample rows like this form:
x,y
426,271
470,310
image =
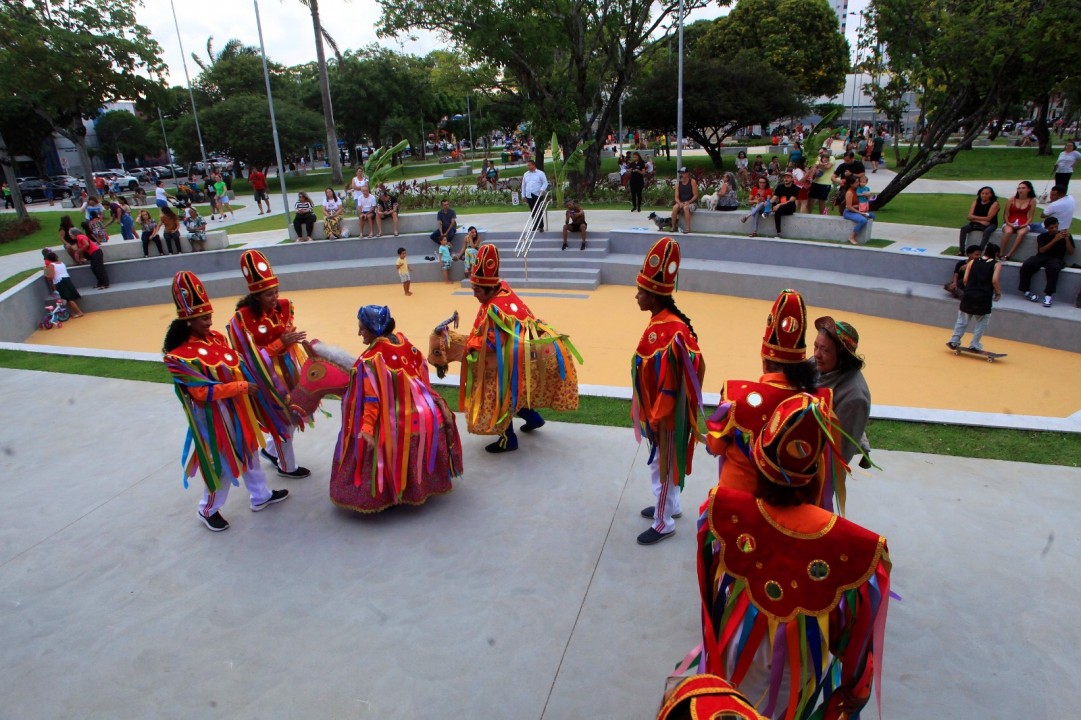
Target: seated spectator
x,y
758,169
303,217
1061,207
1054,244
196,227
982,217
852,208
761,198
727,196
1019,213
820,175
743,169
956,285
574,221
446,224
333,213
386,207
774,169
686,200
849,166
366,204
491,175
784,201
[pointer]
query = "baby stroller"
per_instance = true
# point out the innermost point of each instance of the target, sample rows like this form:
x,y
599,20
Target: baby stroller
x,y
55,314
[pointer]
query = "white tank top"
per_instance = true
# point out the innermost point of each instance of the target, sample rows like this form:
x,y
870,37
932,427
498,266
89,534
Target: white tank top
x,y
60,271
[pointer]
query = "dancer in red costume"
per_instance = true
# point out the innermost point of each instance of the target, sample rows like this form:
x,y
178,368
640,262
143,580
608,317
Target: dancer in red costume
x,y
219,398
777,571
667,379
263,332
398,443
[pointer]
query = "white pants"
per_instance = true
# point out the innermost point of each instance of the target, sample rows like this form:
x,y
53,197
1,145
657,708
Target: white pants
x,y
286,459
667,499
254,481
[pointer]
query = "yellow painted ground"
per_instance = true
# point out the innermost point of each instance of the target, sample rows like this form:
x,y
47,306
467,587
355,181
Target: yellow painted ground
x,y
907,364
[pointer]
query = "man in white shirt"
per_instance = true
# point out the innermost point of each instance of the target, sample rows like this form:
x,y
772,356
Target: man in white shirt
x,y
1061,207
161,198
366,211
534,183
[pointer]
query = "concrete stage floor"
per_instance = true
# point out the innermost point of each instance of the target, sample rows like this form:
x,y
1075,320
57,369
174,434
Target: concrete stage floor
x,y
522,594
908,365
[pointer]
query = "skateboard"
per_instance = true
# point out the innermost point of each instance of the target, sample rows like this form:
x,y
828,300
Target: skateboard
x,y
989,356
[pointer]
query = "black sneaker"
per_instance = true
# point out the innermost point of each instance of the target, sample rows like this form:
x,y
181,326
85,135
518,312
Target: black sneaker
x,y
214,523
276,496
268,456
651,537
507,442
647,512
430,258
300,472
533,419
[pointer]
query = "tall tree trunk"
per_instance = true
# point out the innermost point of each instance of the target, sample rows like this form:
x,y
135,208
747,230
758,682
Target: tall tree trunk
x,y
9,178
324,89
1041,131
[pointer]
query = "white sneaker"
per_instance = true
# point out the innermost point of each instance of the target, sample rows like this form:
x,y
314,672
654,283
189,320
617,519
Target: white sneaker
x,y
1047,301
345,233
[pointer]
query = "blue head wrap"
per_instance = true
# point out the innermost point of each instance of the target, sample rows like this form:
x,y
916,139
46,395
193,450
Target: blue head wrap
x,y
375,317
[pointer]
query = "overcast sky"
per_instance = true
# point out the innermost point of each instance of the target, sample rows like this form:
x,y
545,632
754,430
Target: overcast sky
x,y
287,28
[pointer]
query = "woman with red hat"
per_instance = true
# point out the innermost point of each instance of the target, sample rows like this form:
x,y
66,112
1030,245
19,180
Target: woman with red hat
x,y
221,403
515,362
263,333
667,381
782,577
747,404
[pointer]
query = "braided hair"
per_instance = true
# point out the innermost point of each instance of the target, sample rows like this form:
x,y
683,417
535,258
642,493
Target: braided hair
x,y
669,303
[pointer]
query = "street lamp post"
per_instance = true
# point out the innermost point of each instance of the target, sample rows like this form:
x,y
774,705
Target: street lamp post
x,y
273,121
679,99
168,150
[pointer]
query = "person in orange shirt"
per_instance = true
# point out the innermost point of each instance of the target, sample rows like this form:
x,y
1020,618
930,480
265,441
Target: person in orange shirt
x,y
747,404
667,381
221,405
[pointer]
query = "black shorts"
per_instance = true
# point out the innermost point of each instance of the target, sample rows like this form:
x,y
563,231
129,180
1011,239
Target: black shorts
x,y
575,227
819,192
876,156
261,195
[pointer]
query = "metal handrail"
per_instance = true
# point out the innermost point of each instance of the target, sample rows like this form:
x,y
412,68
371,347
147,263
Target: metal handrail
x,y
525,239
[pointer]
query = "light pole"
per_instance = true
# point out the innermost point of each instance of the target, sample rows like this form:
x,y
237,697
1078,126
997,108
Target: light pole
x,y
469,120
273,122
187,80
679,99
168,150
855,68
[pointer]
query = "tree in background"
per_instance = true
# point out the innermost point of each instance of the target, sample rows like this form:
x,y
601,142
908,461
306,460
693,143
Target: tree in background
x,y
122,132
797,38
67,60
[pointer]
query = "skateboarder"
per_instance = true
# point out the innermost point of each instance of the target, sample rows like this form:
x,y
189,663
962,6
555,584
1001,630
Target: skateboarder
x,y
981,287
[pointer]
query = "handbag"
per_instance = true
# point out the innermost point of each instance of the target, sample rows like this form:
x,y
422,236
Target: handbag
x,y
1045,196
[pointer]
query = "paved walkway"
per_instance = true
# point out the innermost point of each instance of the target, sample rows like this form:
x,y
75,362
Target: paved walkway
x,y
521,594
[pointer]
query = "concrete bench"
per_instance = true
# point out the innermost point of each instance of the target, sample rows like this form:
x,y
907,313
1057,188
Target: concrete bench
x,y
119,249
461,171
1026,249
418,222
802,226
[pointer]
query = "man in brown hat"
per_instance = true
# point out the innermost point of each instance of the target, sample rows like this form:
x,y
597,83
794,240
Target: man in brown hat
x,y
841,370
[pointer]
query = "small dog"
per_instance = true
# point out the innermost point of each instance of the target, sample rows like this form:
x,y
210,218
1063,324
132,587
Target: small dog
x,y
709,201
661,223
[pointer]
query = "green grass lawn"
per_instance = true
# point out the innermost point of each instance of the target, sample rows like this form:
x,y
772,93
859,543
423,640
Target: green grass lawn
x,y
1023,446
998,163
15,279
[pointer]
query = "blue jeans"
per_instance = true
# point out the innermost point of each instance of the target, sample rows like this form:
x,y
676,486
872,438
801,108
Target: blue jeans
x,y
858,219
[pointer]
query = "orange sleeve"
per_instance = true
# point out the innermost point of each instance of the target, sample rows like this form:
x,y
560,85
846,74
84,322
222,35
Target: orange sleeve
x,y
371,408
221,392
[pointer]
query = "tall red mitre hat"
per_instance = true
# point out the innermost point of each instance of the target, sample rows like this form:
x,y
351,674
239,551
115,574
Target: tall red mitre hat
x,y
789,448
257,271
190,296
707,697
783,340
660,268
486,271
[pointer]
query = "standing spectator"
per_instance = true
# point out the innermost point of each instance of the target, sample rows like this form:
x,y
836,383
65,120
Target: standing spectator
x,y
161,198
366,212
446,258
981,289
333,212
534,183
58,278
356,183
1064,165
402,265
68,234
304,217
574,221
99,185
90,250
849,166
796,154
149,231
841,370
9,202
1061,207
637,182
221,191
761,197
820,181
784,201
386,207
257,179
94,222
982,217
686,200
802,180
1019,213
1054,244
127,222
446,223
170,230
877,144
211,193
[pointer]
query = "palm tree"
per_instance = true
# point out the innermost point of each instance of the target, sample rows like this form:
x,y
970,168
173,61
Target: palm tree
x,y
324,89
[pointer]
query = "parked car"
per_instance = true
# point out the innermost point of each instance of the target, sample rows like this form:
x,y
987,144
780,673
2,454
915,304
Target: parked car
x,y
67,182
126,181
34,190
140,173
